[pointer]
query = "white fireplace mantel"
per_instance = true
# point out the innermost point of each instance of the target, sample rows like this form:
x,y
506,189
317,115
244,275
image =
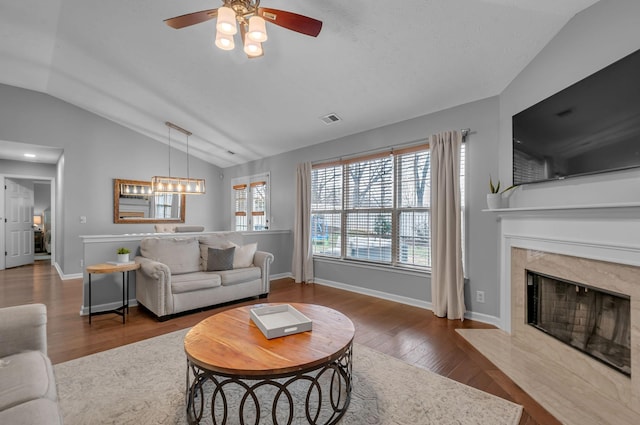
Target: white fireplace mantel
x,y
608,232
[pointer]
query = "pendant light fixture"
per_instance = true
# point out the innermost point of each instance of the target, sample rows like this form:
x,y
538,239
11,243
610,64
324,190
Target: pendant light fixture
x,y
179,185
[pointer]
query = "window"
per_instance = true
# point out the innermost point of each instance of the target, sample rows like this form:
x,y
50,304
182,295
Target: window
x,y
165,205
375,208
250,203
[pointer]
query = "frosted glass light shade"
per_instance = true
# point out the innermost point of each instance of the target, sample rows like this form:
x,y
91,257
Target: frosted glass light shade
x,y
252,48
226,22
224,41
257,29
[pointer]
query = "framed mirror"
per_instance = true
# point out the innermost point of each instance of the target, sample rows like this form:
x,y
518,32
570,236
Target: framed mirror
x,y
133,202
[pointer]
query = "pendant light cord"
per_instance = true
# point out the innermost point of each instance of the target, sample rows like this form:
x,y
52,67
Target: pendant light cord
x,y
188,175
169,127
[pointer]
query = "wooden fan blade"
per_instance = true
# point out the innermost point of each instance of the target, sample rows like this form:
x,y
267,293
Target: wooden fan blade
x,y
191,18
292,21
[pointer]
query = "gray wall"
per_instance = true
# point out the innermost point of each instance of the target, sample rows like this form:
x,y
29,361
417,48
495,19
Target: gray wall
x,y
482,230
593,39
32,169
41,197
96,151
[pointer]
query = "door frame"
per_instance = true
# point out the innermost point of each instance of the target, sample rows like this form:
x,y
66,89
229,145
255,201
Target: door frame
x,y
52,194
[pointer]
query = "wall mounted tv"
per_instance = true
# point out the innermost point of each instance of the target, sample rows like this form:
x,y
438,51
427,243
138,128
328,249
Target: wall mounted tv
x,y
593,126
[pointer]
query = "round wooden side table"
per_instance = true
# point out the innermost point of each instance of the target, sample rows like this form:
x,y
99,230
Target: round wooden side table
x,y
230,353
105,268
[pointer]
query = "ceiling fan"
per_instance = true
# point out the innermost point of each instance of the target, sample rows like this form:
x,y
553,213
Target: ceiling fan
x,y
251,19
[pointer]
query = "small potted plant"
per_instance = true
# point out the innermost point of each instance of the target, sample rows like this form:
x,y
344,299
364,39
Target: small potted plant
x,y
123,255
494,197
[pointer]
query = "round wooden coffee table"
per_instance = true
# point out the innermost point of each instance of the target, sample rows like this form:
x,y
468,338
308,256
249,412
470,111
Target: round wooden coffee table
x,y
304,376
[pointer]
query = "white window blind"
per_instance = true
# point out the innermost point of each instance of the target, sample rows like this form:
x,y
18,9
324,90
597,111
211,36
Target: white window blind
x,y
250,200
375,208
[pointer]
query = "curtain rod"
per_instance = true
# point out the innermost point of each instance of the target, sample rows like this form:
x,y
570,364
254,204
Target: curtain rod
x,y
465,132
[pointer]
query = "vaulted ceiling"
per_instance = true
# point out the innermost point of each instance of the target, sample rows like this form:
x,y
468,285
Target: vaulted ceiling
x,y
374,63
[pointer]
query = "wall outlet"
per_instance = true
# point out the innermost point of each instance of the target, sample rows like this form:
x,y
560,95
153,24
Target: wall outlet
x,y
480,296
81,263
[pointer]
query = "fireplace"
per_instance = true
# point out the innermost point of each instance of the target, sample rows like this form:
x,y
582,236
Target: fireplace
x,y
597,246
594,321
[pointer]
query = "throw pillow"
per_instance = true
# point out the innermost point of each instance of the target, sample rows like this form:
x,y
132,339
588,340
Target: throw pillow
x,y
244,255
204,251
220,259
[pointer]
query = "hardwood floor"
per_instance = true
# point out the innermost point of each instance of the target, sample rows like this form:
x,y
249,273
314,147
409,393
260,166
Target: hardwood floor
x,y
411,334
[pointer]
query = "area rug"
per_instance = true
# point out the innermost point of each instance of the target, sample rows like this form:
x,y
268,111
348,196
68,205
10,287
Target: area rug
x,y
144,383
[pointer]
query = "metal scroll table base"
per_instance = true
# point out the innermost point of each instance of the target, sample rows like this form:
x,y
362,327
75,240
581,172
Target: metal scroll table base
x,y
319,395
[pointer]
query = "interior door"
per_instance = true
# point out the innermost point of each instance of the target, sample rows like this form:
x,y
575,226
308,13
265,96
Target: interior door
x,y
18,205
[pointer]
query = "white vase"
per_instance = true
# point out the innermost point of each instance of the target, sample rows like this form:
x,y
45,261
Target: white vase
x,y
494,201
123,258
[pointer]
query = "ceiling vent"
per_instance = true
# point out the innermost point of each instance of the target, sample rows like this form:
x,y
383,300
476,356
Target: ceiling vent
x,y
330,119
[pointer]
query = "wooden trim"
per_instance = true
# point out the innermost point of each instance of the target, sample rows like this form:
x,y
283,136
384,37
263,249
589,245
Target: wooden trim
x,y
117,217
254,184
239,187
371,156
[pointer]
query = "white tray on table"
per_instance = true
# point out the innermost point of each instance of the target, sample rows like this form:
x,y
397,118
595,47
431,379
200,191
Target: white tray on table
x,y
280,320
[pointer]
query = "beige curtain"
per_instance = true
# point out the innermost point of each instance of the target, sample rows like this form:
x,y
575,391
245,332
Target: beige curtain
x,y
302,265
447,279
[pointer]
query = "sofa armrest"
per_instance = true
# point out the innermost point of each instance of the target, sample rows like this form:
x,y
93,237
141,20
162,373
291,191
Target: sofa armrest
x,y
153,286
263,260
153,269
23,327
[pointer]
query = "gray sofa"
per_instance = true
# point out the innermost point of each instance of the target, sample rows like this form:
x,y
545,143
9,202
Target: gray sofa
x,y
28,393
179,274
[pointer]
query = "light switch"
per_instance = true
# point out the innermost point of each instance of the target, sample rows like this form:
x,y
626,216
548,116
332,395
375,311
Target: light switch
x,y
83,219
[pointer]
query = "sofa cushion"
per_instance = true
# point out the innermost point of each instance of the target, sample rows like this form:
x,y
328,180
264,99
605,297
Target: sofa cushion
x,y
194,282
243,256
235,276
26,376
221,239
220,259
34,412
181,255
188,228
211,241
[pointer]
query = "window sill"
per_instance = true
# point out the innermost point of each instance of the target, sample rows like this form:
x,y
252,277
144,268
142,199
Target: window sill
x,y
414,271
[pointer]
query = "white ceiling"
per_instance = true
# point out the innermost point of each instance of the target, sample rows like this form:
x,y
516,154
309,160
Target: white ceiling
x,y
373,64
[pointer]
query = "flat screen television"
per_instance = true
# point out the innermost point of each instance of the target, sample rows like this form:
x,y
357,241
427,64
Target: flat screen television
x,y
592,126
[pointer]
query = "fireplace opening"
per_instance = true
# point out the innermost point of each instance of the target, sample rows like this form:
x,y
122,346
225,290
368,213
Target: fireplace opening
x,y
592,320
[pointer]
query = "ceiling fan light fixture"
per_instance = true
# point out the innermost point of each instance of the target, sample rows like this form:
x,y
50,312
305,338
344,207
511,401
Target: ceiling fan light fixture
x,y
252,48
257,29
224,41
226,21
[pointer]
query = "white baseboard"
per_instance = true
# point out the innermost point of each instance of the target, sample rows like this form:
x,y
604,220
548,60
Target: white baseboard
x,y
378,294
484,318
66,276
480,317
280,276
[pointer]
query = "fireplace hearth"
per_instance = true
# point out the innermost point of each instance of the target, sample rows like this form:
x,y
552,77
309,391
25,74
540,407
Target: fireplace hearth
x,y
591,320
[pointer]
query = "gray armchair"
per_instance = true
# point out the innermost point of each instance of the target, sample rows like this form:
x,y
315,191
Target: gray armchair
x,y
28,392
